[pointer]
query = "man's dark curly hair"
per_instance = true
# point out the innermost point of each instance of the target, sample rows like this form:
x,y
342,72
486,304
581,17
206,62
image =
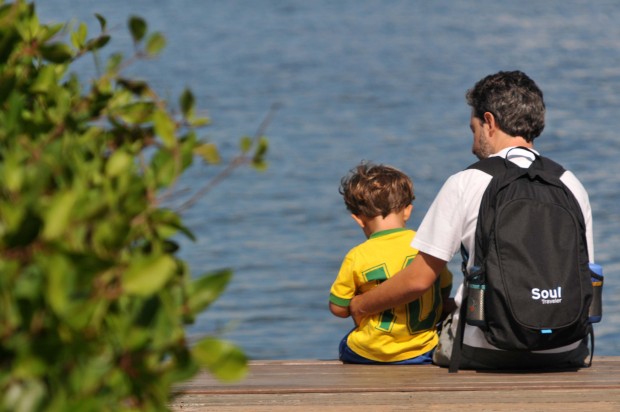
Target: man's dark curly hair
x,y
515,101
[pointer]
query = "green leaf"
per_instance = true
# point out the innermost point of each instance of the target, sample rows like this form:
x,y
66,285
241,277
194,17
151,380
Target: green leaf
x,y
137,28
261,148
136,113
164,167
167,223
258,160
165,128
56,53
45,81
97,43
136,338
78,37
58,215
208,152
29,367
13,172
146,275
114,62
48,32
199,121
155,44
137,87
29,285
61,283
92,371
207,289
118,163
245,144
187,102
259,165
226,361
102,21
28,27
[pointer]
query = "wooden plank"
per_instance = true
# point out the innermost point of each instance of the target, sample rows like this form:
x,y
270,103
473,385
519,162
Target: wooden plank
x,y
330,385
543,400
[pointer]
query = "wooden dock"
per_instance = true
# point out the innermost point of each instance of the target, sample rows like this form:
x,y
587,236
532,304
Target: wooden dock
x,y
331,386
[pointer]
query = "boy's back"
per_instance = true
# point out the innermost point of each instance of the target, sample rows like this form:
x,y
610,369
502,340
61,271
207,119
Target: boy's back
x,y
406,331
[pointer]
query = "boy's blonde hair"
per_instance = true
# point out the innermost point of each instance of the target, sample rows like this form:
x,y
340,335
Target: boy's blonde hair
x,y
376,190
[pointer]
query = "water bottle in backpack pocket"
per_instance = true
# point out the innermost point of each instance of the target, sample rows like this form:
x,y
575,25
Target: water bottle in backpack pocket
x,y
475,297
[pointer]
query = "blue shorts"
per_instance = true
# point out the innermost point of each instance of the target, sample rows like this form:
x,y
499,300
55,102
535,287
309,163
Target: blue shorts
x,y
346,355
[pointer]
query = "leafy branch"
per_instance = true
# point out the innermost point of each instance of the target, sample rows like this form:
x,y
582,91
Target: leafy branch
x,y
93,297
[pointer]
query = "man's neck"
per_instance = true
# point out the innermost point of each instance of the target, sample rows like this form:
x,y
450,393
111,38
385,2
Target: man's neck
x,y
505,141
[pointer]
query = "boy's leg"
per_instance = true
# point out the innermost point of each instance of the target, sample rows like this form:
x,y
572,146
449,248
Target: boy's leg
x,y
347,355
423,359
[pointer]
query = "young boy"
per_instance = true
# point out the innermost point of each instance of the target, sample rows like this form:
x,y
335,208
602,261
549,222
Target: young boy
x,y
380,201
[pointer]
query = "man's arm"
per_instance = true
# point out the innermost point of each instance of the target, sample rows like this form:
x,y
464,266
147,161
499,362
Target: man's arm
x,y
448,305
404,287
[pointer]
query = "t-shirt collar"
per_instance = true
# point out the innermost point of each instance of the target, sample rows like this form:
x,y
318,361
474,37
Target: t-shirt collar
x,y
386,232
515,150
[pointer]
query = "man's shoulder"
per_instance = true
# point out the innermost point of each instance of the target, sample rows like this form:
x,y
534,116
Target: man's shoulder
x,y
524,158
466,177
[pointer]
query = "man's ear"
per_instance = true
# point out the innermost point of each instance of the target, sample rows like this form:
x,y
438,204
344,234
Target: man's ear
x,y
359,220
489,119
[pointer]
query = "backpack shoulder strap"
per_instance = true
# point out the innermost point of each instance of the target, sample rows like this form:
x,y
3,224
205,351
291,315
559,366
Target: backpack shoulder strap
x,y
548,166
493,166
551,166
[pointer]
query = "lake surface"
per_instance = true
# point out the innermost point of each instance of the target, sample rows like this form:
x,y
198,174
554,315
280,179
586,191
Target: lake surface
x,y
379,81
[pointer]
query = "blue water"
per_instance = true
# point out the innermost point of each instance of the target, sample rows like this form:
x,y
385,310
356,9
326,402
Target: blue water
x,y
381,81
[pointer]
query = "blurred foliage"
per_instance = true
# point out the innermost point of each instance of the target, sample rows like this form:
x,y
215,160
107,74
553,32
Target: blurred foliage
x,y
93,299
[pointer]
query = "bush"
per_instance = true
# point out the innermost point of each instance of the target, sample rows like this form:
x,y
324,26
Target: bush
x,y
93,300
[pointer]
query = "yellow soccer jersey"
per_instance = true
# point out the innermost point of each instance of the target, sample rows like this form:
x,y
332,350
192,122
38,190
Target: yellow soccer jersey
x,y
401,333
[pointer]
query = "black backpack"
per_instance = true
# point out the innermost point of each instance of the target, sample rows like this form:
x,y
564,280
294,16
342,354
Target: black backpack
x,y
530,287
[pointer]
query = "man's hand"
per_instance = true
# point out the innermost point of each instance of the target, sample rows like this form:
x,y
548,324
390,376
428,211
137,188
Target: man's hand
x,y
354,310
449,306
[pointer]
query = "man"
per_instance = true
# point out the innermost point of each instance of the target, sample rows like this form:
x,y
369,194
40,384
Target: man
x,y
507,111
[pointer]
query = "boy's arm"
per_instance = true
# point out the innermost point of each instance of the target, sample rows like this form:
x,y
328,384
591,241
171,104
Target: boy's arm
x,y
340,311
404,287
343,289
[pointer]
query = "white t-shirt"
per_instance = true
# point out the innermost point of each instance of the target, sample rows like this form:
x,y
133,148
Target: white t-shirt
x,y
453,215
